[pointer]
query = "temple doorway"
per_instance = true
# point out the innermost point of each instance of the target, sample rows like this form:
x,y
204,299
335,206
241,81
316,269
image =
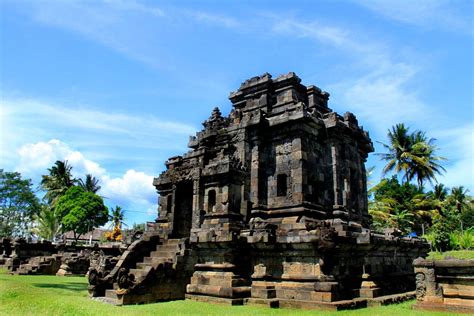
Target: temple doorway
x,y
183,210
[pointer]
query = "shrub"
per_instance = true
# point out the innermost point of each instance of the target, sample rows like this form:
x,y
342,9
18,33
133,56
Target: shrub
x,y
462,240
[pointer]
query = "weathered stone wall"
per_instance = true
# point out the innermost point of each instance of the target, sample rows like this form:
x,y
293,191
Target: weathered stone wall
x,y
44,257
446,285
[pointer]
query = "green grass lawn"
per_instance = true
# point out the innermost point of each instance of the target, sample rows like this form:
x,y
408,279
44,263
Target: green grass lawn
x,y
51,295
460,254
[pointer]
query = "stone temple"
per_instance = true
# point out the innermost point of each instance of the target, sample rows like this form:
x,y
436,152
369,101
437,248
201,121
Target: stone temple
x,y
269,206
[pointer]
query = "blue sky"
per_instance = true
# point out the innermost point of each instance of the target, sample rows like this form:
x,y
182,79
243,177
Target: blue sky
x,y
117,87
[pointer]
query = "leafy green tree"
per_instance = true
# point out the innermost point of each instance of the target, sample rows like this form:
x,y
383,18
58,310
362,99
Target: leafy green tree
x,y
467,217
57,182
401,206
138,227
461,202
18,204
439,235
454,218
81,211
90,184
47,222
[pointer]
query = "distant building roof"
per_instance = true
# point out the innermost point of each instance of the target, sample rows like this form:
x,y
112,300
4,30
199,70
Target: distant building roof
x,y
97,234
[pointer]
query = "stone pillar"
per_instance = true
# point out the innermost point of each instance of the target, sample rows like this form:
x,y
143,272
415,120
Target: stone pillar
x,y
223,199
426,288
363,202
254,174
335,174
197,204
346,194
173,210
297,174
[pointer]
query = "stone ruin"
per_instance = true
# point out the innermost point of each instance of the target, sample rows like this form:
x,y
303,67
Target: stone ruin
x,y
445,285
269,206
21,257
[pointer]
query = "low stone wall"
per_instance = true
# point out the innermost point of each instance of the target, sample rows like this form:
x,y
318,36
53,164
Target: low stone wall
x,y
446,285
19,251
22,257
5,250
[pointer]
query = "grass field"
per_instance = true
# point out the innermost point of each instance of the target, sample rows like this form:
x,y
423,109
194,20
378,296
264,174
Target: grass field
x,y
51,295
460,254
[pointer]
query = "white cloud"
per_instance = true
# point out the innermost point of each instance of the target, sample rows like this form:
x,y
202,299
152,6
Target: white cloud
x,y
36,158
382,97
132,5
114,24
133,190
429,14
85,118
214,19
32,121
130,28
324,33
133,185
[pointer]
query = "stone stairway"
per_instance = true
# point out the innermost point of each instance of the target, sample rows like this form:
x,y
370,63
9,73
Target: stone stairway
x,y
159,276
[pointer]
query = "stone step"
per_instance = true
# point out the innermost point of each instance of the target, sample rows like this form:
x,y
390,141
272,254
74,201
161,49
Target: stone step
x,y
142,265
155,260
107,300
153,264
163,254
111,294
168,247
140,273
171,241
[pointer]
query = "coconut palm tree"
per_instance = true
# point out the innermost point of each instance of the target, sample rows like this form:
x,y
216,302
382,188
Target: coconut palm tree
x,y
380,210
398,150
57,182
402,220
413,155
48,225
440,192
423,163
460,198
91,184
117,216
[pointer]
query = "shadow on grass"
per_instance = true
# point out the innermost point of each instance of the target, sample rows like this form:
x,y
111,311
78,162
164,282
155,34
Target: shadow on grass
x,y
70,286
